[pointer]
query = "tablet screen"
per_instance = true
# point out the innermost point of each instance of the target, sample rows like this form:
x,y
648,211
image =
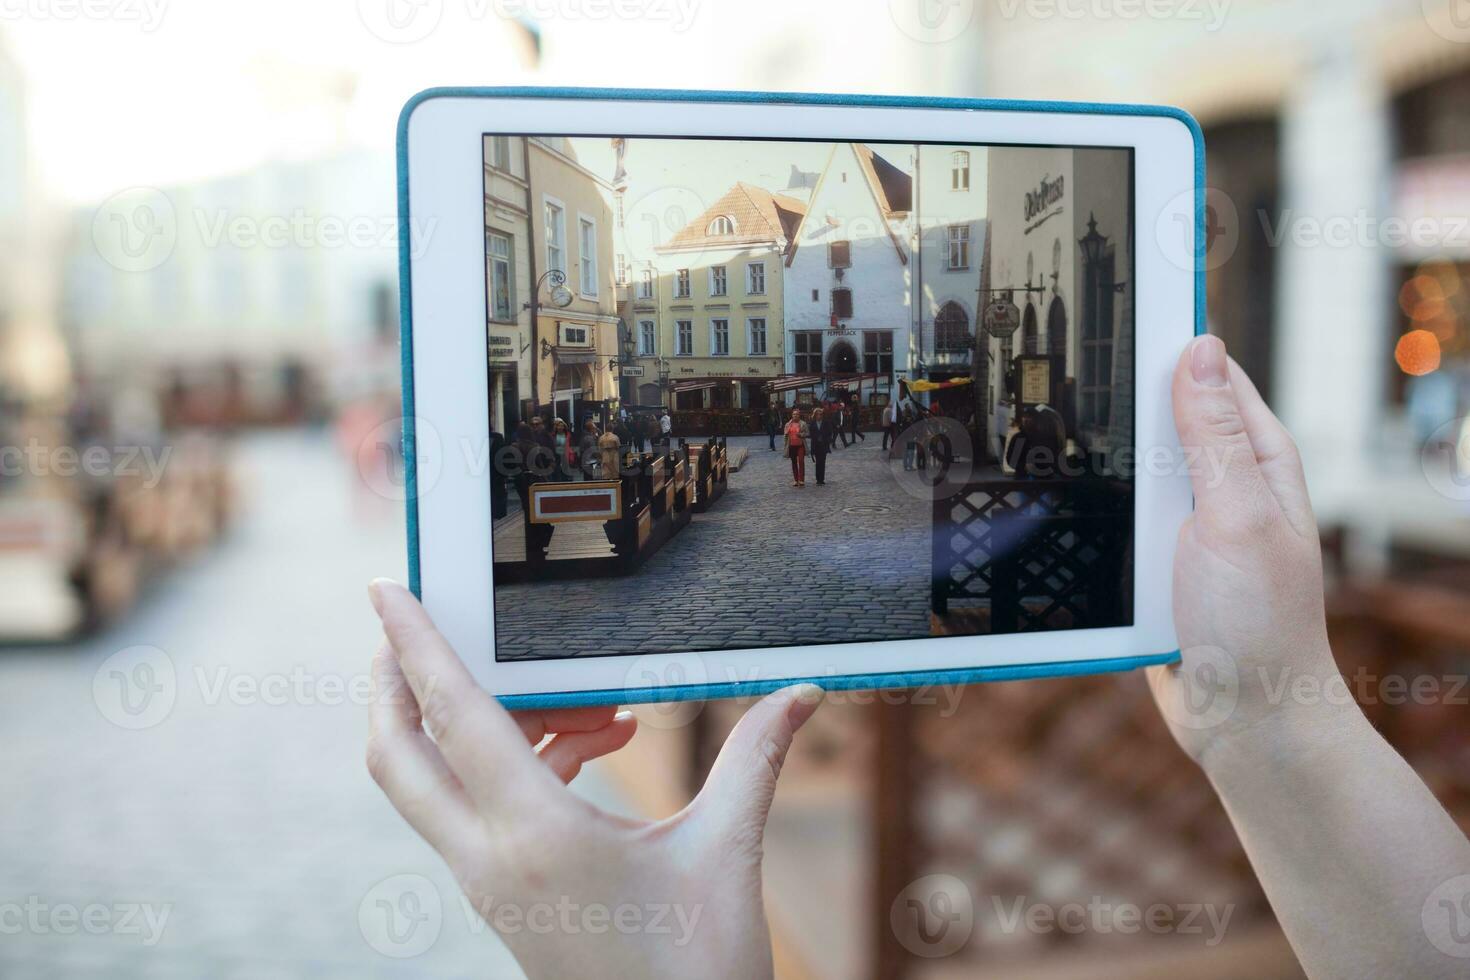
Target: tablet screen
x,y
775,393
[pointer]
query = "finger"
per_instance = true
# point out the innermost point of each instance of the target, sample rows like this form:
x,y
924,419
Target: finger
x,y
538,724
408,766
1276,453
476,736
1231,496
737,795
567,751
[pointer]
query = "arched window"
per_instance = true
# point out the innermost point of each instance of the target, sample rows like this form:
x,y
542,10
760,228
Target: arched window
x,y
951,329
1056,328
1029,339
722,225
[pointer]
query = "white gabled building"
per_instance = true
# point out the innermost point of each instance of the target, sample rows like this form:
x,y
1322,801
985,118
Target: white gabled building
x,y
848,273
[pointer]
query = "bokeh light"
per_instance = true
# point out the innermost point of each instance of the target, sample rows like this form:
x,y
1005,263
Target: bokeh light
x,y
1417,352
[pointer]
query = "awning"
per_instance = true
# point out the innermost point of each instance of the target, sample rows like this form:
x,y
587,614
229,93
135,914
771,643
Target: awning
x,y
853,381
793,381
922,386
681,386
564,356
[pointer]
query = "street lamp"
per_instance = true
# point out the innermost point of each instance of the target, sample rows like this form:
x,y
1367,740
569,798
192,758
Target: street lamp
x,y
1094,247
1092,243
561,298
664,369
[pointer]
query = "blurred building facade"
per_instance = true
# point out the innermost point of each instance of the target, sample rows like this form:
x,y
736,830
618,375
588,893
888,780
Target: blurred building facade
x,y
1339,155
261,295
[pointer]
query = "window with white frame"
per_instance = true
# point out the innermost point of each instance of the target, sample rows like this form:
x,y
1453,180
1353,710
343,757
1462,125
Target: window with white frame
x,y
646,338
719,337
959,247
684,338
620,265
681,284
645,284
502,280
718,283
587,255
755,278
556,236
722,225
755,329
959,171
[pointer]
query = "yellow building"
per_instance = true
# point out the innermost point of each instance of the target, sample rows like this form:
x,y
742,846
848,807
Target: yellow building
x,y
507,277
574,347
707,312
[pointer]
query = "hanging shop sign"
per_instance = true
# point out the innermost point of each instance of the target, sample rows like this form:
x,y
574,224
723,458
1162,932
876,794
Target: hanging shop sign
x,y
1002,318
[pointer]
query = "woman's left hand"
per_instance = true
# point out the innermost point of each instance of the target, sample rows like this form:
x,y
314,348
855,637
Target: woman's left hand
x,y
572,890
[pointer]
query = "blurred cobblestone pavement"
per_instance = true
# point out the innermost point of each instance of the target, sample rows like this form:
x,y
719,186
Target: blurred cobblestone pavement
x,y
253,825
768,564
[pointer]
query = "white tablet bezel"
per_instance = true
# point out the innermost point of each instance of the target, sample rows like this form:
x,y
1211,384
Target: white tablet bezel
x,y
444,171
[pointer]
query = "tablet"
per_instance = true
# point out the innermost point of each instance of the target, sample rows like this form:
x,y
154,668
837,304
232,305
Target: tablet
x,y
709,393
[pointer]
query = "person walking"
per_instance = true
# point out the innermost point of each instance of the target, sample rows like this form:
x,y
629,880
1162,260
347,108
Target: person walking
x,y
609,454
587,450
837,417
795,436
890,425
565,448
855,421
665,428
823,431
773,425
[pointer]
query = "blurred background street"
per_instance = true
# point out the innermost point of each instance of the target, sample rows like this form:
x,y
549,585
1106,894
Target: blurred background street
x,y
198,360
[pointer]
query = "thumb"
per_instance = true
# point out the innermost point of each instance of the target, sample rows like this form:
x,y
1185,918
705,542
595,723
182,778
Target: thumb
x,y
1230,493
737,795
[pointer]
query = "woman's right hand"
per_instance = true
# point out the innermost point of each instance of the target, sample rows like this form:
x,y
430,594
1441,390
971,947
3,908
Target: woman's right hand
x,y
1248,602
1365,871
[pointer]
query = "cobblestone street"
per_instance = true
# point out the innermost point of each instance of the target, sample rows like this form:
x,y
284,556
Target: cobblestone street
x,y
767,565
241,822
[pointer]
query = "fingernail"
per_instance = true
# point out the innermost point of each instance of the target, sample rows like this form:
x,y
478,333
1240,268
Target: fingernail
x,y
375,592
1207,362
805,699
622,715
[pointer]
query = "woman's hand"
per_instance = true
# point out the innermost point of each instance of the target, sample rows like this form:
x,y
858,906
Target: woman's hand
x,y
1247,575
574,891
1366,872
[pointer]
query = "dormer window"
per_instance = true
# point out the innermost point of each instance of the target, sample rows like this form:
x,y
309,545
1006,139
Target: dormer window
x,y
723,225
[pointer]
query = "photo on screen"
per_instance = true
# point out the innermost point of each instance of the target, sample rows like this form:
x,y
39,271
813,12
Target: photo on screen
x,y
756,393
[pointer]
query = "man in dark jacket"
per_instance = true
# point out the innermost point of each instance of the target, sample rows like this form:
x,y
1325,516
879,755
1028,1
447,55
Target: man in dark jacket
x,y
824,430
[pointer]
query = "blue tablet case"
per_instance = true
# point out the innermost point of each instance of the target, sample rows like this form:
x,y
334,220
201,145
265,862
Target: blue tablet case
x,y
692,692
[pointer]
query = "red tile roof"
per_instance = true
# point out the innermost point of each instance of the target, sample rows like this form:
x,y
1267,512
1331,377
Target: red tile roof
x,y
758,214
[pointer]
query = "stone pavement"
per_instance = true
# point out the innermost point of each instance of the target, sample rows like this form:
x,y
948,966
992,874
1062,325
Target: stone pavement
x,y
767,565
236,833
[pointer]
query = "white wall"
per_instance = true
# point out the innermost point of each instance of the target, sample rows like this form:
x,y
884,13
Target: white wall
x,y
937,207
